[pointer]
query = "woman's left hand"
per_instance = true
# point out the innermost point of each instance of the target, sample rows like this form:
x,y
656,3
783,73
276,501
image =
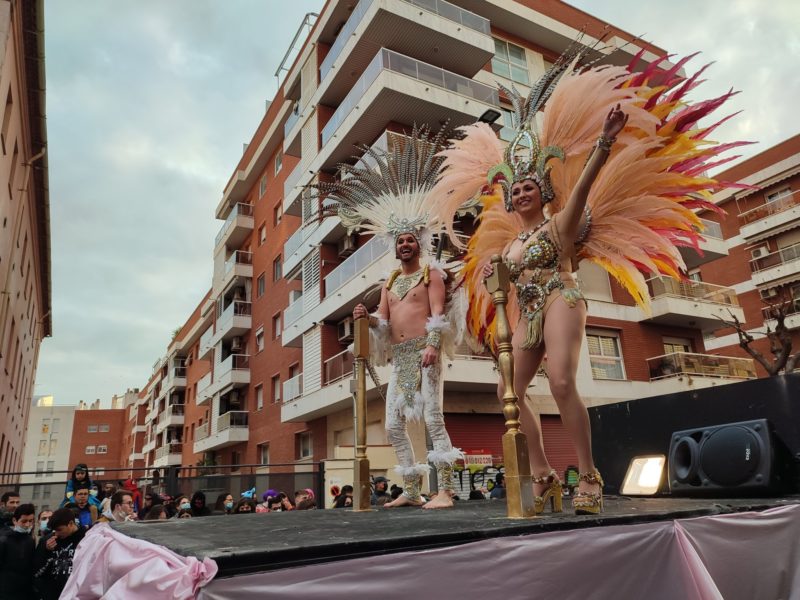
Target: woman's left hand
x,y
614,123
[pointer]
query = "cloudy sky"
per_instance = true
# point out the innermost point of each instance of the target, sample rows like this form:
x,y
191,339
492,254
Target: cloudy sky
x,y
149,102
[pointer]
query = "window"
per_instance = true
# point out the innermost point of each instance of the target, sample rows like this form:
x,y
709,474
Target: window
x,y
104,428
276,389
262,235
278,162
259,339
263,454
780,194
51,464
236,459
277,215
45,425
605,355
259,397
39,468
42,448
262,186
56,423
92,429
677,345
102,449
304,446
277,269
99,472
509,61
37,489
695,275
53,447
260,286
276,326
89,450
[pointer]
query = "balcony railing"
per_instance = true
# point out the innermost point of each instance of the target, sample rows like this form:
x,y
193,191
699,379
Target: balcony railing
x,y
294,178
691,290
783,256
370,252
238,258
231,419
201,432
770,208
235,362
440,7
712,229
293,388
173,410
768,312
338,367
237,308
399,63
293,312
240,210
700,365
167,449
204,382
206,340
294,117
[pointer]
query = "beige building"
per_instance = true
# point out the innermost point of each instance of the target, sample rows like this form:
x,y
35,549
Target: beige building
x,y
25,295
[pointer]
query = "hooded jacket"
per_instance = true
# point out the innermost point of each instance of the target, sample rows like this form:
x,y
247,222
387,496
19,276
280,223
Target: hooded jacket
x,y
16,565
204,511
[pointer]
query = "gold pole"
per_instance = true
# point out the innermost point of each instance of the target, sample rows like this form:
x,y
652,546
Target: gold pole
x,y
361,483
519,486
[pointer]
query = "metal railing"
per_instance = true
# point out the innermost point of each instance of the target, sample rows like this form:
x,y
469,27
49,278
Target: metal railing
x,y
293,312
399,63
232,419
370,252
293,388
201,432
173,410
237,308
783,256
768,312
238,258
440,7
338,367
292,119
676,364
241,209
770,208
693,290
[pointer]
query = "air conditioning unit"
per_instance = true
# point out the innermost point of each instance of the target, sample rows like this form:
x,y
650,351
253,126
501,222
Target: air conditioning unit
x,y
759,252
347,245
768,293
236,343
345,330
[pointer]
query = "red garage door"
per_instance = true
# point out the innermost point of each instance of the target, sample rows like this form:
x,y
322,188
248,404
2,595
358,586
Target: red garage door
x,y
476,432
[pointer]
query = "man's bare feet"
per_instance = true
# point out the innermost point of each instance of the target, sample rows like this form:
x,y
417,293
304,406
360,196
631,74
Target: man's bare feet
x,y
441,500
403,500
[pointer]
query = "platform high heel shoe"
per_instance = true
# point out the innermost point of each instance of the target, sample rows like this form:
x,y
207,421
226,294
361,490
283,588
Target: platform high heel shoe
x,y
552,493
589,503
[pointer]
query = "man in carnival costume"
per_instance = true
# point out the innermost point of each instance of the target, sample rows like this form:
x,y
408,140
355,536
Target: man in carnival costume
x,y
413,323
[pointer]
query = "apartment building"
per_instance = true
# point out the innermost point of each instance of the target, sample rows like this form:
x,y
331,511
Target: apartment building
x,y
761,228
24,220
264,361
97,439
46,451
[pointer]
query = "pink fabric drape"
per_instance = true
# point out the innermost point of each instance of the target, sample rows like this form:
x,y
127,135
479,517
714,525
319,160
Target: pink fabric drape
x,y
113,566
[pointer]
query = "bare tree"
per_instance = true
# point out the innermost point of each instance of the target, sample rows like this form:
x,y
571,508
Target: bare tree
x,y
780,340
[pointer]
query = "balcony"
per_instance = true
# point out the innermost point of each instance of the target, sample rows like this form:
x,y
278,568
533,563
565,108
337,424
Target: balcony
x,y
791,321
770,218
206,344
237,226
235,320
778,267
306,238
293,388
238,265
338,367
149,446
368,254
233,372
398,63
176,378
462,37
171,417
226,430
134,456
201,433
713,246
203,387
168,454
678,371
393,87
293,312
692,304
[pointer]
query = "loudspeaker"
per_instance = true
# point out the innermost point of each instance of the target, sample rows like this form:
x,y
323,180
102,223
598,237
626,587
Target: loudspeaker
x,y
722,459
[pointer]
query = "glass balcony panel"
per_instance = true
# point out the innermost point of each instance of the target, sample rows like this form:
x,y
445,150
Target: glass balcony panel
x,y
712,230
338,367
241,209
693,290
370,252
700,365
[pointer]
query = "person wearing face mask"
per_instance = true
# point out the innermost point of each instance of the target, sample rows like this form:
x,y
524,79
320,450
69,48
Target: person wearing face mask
x,y
43,519
16,555
182,505
52,562
120,509
224,504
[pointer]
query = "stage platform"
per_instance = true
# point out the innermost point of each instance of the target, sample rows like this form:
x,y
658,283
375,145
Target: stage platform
x,y
265,542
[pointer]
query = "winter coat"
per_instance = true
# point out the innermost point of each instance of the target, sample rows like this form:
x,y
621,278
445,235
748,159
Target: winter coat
x,y
53,567
16,565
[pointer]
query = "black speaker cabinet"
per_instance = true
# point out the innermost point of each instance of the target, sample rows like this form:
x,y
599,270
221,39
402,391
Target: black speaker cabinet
x,y
722,459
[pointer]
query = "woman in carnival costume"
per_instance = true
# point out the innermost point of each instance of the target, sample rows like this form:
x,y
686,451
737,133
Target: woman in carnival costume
x,y
558,194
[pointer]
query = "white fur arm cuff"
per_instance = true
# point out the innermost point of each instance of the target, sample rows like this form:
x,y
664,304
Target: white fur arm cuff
x,y
436,326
